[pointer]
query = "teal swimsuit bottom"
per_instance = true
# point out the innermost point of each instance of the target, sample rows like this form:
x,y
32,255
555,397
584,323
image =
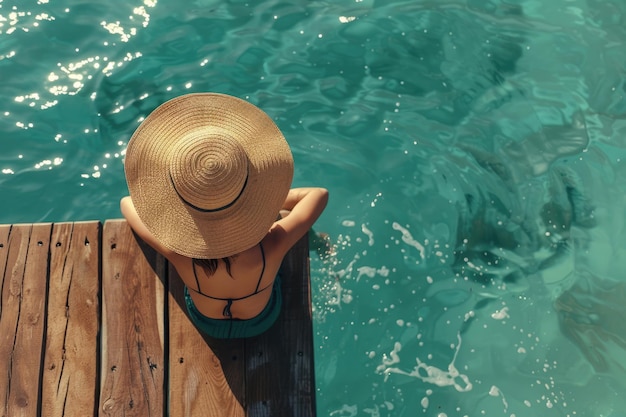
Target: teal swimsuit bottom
x,y
231,328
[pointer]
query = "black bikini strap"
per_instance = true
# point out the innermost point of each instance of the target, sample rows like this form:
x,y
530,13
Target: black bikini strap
x,y
256,290
226,312
229,301
193,266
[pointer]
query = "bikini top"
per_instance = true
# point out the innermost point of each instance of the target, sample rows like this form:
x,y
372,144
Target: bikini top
x,y
229,301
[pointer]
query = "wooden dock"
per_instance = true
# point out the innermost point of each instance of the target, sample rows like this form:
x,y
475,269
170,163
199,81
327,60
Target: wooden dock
x,y
93,323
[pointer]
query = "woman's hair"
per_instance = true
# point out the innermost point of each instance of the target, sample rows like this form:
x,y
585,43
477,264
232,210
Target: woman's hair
x,y
210,265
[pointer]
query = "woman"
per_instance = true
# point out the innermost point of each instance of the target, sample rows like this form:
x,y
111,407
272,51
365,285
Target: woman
x,y
208,175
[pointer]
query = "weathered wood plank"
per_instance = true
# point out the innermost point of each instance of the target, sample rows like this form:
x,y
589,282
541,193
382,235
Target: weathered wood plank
x,y
23,316
206,375
5,230
70,377
279,362
124,372
133,358
12,277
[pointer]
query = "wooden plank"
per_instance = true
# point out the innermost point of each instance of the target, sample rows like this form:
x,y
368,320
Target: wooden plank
x,y
70,373
22,317
12,277
268,375
206,375
5,231
133,357
279,363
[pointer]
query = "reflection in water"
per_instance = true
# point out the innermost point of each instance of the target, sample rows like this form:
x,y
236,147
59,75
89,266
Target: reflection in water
x,y
592,315
503,229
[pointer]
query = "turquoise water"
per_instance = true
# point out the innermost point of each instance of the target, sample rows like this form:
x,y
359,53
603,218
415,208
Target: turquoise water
x,y
474,150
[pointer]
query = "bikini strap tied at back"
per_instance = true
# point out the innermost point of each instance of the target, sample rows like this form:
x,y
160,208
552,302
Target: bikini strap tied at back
x,y
229,301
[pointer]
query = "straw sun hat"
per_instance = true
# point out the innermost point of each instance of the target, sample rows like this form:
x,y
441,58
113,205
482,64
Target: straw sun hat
x,y
208,174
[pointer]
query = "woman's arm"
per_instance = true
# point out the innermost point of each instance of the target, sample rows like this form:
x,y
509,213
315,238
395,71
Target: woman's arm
x,y
131,216
304,205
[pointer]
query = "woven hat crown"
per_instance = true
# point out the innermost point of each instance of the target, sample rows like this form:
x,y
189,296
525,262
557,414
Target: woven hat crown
x,y
209,169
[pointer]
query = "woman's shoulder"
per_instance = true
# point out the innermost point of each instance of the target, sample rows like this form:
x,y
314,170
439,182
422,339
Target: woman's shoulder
x,y
131,216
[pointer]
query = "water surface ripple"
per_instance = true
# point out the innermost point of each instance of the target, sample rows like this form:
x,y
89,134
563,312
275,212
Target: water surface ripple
x,y
474,151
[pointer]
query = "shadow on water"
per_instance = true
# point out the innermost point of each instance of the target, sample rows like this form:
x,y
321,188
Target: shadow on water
x,y
499,242
527,201
591,314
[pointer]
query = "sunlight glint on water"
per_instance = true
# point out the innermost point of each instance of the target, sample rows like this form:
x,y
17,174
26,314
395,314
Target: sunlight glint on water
x,y
474,152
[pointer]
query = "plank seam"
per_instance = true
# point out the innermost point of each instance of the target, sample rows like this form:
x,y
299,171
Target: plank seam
x,y
4,282
166,336
97,386
44,341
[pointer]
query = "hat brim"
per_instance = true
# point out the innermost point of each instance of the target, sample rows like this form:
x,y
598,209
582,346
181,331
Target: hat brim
x,y
185,229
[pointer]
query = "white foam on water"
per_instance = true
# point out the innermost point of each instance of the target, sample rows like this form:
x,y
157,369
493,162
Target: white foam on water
x,y
371,272
495,392
501,314
433,375
469,315
408,239
373,412
345,411
369,234
392,359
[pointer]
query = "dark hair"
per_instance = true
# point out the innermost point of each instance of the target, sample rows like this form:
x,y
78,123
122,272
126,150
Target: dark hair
x,y
210,265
